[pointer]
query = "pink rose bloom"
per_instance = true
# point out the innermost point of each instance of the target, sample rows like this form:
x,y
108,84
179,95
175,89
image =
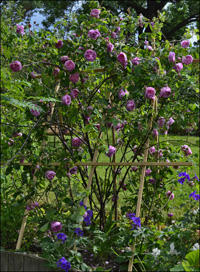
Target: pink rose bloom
x,y
147,172
152,180
95,13
165,92
16,66
35,112
63,59
110,47
50,175
146,43
74,78
90,55
121,19
74,93
149,47
161,122
187,60
90,109
59,44
134,169
130,105
155,132
20,30
69,65
186,149
113,35
150,93
170,195
178,67
76,142
121,94
135,61
122,58
170,214
171,57
33,75
56,71
152,150
171,121
165,132
56,226
185,44
73,170
66,100
94,34
111,151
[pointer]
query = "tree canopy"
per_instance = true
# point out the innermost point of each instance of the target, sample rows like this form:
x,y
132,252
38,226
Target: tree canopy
x,y
178,14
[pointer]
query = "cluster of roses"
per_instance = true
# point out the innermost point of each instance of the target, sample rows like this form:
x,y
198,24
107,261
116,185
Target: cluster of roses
x,y
32,206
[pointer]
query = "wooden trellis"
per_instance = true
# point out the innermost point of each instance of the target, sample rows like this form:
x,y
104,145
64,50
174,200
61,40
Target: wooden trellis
x,y
94,164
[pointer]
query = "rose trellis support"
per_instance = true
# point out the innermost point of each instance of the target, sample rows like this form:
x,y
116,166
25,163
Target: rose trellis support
x,y
57,131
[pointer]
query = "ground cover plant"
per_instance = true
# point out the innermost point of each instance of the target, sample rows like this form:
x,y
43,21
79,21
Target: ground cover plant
x,y
93,87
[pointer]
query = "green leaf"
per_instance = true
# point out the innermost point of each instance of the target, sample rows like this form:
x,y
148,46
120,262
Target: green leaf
x,y
177,268
187,266
45,227
193,258
103,29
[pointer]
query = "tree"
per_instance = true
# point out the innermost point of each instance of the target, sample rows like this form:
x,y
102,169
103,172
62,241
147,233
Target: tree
x,y
179,14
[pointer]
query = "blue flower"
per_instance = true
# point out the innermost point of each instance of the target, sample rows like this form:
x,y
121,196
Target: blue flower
x,y
195,177
64,264
89,212
136,221
61,236
184,176
192,194
79,232
81,203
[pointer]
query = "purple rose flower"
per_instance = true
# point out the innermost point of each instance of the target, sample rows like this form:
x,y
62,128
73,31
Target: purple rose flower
x,y
121,94
122,58
147,172
155,132
16,66
50,175
185,44
152,150
90,55
146,42
178,67
130,105
56,226
63,59
113,35
94,34
95,13
111,151
74,93
69,65
74,78
73,170
76,142
98,127
149,47
134,169
35,112
56,71
117,29
170,195
186,149
59,44
152,181
161,122
150,93
135,61
20,30
170,214
33,75
171,57
187,60
110,47
66,100
165,92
